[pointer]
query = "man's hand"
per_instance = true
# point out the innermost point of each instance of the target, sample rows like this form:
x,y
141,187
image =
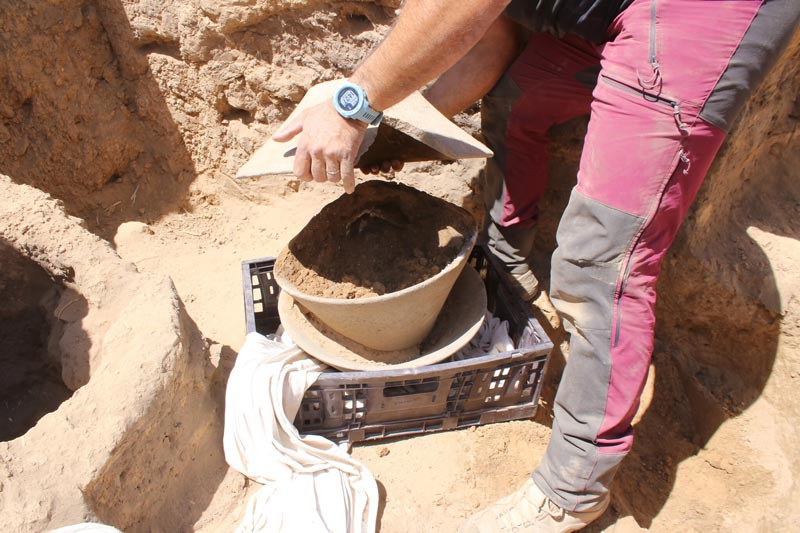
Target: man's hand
x,y
327,147
428,39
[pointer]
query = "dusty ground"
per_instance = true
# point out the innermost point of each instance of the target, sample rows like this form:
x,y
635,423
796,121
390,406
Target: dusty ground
x,y
134,115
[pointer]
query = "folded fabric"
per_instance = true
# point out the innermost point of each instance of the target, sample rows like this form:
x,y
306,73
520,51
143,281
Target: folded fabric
x,y
492,338
310,484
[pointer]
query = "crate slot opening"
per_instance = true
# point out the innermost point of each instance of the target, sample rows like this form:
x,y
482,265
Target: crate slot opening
x,y
409,388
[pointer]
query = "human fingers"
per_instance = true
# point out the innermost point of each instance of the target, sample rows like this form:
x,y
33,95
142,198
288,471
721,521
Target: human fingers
x,y
348,175
385,166
368,169
332,170
289,129
302,165
318,168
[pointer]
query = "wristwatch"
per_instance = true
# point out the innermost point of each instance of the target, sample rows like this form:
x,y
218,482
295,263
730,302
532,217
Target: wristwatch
x,y
350,101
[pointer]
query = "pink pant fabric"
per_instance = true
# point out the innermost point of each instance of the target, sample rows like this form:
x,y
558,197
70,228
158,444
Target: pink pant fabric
x,y
645,155
547,75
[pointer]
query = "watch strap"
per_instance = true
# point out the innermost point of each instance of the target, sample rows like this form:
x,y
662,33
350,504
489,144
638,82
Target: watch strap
x,y
370,116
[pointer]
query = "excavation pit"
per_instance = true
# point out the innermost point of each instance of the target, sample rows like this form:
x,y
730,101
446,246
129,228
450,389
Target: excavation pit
x,y
76,317
127,112
31,384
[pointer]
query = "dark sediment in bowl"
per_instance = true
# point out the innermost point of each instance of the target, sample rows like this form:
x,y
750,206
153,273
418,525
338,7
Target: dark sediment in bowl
x,y
383,238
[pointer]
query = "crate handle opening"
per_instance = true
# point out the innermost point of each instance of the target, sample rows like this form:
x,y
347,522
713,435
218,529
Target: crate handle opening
x,y
408,390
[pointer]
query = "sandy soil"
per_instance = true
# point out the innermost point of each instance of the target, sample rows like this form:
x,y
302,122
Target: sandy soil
x,y
383,238
139,127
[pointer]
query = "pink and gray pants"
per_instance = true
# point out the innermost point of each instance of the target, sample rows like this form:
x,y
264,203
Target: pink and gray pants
x,y
661,93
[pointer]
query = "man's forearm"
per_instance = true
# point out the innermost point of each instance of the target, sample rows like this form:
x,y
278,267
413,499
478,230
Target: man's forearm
x,y
428,39
477,72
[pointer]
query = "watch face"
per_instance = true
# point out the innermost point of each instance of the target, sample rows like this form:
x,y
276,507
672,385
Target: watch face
x,y
348,99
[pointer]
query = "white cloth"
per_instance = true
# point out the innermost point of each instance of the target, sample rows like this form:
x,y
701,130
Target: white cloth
x,y
310,484
87,527
492,338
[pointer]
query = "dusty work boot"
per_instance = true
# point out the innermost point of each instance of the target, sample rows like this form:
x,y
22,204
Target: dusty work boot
x,y
513,246
529,511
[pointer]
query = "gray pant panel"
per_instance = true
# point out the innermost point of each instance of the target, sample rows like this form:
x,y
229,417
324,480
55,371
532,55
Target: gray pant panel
x,y
512,245
761,46
592,242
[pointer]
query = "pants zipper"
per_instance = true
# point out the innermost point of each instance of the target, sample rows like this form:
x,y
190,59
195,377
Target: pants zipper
x,y
655,81
683,128
650,90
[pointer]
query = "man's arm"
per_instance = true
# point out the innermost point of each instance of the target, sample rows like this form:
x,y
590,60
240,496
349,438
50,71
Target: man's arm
x,y
428,38
472,77
476,73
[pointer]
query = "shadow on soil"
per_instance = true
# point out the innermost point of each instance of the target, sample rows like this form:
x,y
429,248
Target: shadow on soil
x,y
31,383
82,116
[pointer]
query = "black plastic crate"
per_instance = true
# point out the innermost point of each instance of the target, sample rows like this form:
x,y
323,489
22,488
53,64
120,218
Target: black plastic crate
x,y
359,406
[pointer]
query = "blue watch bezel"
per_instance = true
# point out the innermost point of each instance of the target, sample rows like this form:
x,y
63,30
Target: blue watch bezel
x,y
362,111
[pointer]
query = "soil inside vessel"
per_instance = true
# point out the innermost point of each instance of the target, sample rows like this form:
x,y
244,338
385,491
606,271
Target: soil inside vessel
x,y
383,238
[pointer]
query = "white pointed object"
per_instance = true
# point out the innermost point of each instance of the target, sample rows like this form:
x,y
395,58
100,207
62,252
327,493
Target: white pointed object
x,y
412,130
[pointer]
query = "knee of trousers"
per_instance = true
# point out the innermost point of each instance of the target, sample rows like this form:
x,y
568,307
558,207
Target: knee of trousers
x,y
513,245
592,242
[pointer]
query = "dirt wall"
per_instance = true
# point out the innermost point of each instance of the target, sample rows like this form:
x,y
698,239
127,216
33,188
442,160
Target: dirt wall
x,y
727,357
116,107
718,409
142,431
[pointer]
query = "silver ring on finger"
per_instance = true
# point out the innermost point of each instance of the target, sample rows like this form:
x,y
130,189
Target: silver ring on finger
x,y
332,173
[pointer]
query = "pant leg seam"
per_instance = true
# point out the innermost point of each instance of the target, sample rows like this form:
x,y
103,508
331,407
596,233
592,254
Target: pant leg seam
x,y
604,204
619,291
